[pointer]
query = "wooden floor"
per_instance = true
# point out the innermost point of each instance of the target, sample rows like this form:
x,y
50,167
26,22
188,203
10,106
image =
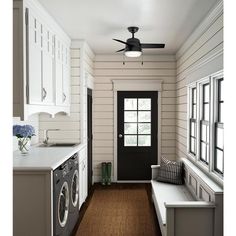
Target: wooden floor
x,y
118,210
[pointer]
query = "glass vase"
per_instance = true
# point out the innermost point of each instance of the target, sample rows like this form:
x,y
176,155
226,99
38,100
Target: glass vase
x,y
24,145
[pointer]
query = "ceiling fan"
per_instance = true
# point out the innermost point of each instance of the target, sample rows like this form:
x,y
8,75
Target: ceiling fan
x,y
133,47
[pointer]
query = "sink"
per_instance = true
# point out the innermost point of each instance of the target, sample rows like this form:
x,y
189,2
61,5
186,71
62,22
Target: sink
x,y
58,145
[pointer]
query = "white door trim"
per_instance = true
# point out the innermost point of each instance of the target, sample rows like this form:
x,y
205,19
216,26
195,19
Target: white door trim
x,y
128,84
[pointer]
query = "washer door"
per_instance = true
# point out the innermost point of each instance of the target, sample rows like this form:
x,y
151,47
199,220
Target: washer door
x,y
63,205
75,188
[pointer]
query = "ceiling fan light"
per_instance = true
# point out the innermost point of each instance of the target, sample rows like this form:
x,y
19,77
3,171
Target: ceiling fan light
x,y
133,53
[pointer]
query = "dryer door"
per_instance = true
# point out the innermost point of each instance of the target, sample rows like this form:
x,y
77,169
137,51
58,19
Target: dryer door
x,y
75,189
63,205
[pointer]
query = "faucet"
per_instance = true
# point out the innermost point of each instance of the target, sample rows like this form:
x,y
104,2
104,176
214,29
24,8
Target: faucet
x,y
46,137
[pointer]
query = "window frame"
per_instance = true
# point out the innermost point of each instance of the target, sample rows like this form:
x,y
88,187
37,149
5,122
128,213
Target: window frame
x,y
217,123
202,121
213,94
191,119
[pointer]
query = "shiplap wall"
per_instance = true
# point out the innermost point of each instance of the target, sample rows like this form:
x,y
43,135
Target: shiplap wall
x,y
199,57
108,67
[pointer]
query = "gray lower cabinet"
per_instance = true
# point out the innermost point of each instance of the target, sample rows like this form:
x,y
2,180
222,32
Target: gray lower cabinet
x,y
32,203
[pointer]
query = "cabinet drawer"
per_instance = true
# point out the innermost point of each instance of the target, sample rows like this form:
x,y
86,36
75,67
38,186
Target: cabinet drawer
x,y
192,183
204,195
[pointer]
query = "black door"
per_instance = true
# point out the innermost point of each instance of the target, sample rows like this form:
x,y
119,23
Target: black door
x,y
137,134
90,138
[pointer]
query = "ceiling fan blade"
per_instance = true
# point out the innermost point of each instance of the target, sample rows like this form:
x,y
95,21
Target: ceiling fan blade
x,y
120,41
121,50
152,45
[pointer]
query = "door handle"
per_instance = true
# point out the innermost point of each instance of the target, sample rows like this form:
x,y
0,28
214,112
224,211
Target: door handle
x,y
120,136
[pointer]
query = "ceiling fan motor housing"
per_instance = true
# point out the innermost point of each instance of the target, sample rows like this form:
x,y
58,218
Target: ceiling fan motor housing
x,y
133,44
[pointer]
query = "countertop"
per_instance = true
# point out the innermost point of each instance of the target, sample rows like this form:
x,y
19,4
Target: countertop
x,y
43,158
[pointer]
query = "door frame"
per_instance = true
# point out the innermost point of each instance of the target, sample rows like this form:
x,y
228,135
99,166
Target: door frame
x,y
128,84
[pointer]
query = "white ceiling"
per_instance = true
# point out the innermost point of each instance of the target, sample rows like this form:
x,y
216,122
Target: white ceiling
x,y
98,21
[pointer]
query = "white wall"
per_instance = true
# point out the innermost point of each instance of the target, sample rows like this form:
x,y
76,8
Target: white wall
x,y
200,56
32,120
108,67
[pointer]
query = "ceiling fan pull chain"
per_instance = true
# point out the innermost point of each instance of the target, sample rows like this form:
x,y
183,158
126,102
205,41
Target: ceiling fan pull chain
x,y
142,60
123,59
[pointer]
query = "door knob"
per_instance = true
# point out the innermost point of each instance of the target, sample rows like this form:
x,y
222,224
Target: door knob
x,y
120,135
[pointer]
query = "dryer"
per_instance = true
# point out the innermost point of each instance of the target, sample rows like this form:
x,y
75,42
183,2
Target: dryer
x,y
61,200
74,191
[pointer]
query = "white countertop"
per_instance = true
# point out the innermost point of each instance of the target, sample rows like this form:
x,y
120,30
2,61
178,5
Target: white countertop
x,y
43,158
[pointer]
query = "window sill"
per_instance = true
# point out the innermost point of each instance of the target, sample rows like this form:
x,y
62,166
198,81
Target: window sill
x,y
205,168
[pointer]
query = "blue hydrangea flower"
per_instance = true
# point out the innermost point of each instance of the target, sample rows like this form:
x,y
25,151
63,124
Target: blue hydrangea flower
x,y
22,131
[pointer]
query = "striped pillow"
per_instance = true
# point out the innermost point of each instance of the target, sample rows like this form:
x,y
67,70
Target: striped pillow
x,y
170,171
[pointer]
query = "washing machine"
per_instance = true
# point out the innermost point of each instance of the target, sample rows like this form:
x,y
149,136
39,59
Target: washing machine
x,y
74,191
61,200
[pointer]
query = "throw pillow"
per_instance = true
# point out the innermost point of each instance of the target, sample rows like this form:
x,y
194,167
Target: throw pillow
x,y
170,171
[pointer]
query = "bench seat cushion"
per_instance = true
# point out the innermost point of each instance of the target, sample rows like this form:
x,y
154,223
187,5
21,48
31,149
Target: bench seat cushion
x,y
164,192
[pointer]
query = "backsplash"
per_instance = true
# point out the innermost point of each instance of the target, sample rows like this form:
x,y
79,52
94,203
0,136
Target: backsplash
x,y
32,120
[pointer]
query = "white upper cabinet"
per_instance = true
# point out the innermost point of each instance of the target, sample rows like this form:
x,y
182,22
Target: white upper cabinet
x,y
42,68
62,73
48,63
34,58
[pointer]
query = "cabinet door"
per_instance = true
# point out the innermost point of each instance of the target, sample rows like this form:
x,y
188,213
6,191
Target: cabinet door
x,y
48,67
66,76
59,72
35,42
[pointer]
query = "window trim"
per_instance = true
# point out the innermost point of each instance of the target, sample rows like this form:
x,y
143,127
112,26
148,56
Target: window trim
x,y
189,117
201,116
207,169
215,121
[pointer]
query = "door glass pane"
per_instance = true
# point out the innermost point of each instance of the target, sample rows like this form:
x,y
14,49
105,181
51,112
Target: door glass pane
x,y
144,116
144,104
203,151
144,128
130,104
206,112
203,132
130,140
130,116
144,140
220,138
219,160
130,128
206,92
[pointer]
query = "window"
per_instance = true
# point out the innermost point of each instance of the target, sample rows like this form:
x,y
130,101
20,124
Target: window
x,y
137,122
219,129
193,119
206,124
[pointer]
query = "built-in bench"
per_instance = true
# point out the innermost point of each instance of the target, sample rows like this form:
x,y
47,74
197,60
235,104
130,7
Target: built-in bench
x,y
192,209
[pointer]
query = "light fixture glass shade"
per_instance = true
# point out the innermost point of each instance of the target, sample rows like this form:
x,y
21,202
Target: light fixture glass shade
x,y
133,53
